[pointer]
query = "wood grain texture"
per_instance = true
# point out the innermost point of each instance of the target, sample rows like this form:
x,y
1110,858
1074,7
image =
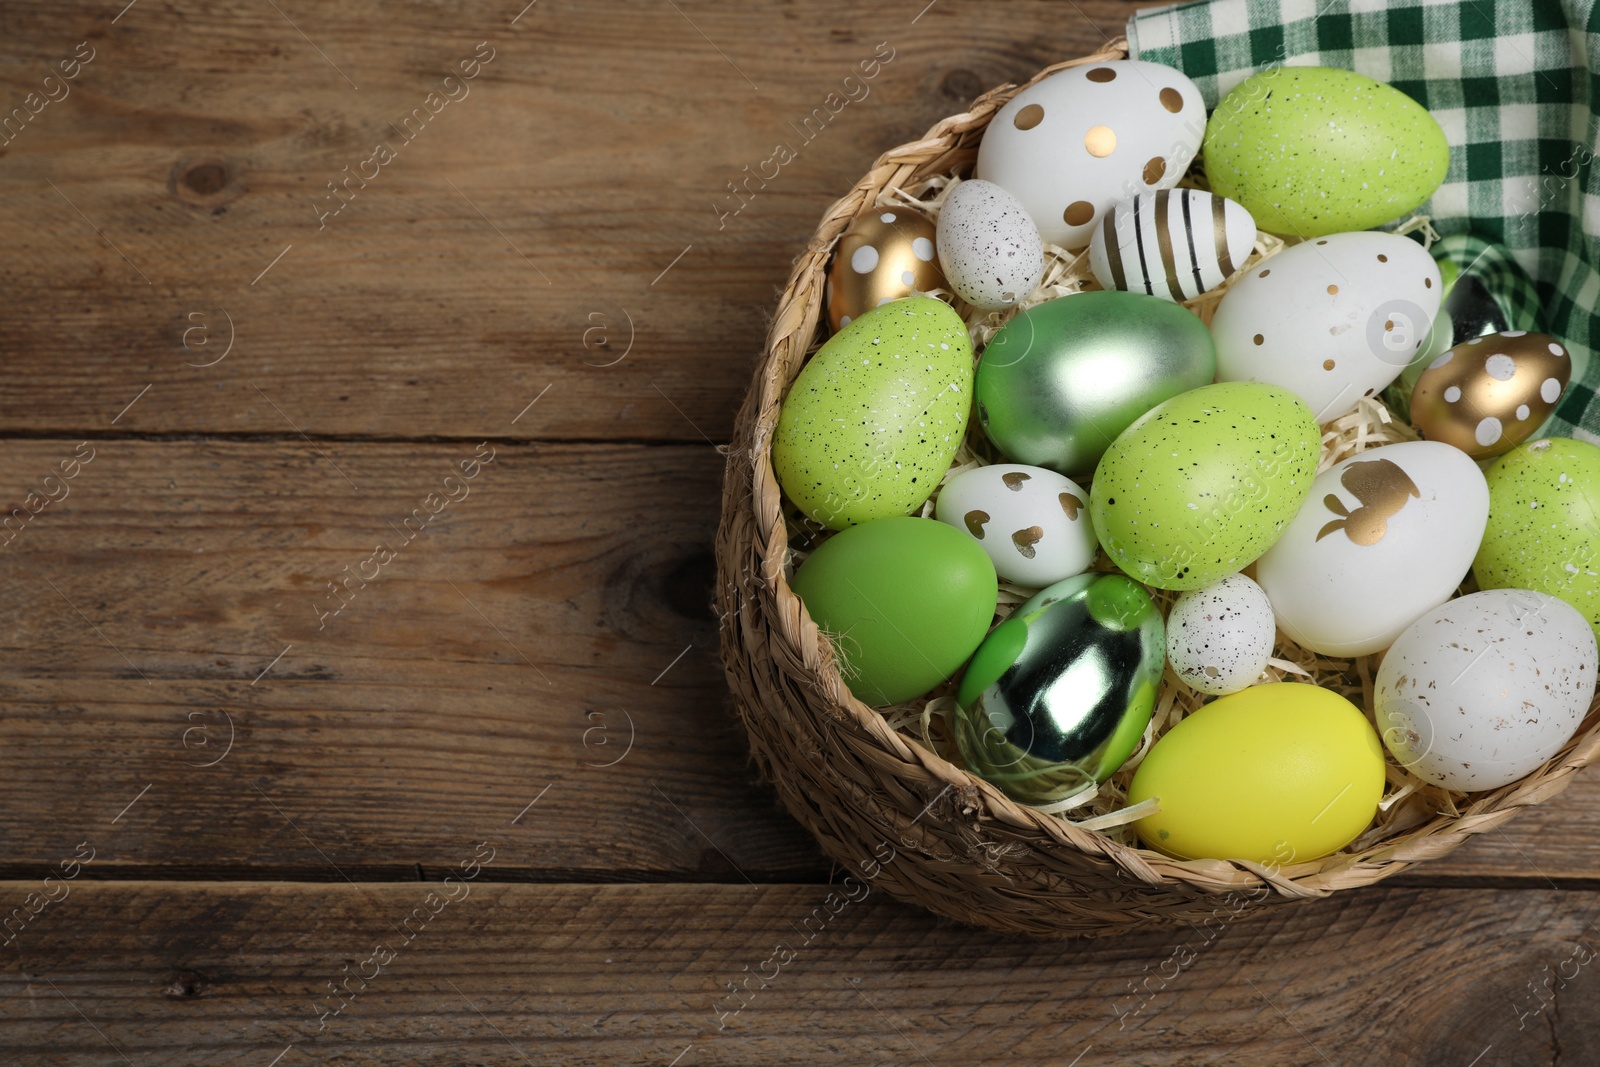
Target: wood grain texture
x,y
517,643
518,241
606,975
535,674
561,607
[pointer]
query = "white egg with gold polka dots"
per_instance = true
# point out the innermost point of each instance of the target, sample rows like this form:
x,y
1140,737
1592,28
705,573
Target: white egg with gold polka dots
x,y
1332,319
886,254
1082,139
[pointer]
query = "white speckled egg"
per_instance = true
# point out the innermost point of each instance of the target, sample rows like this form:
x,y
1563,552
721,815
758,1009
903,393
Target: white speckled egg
x,y
1219,638
1331,320
988,246
1384,537
1480,691
1033,523
1080,140
1174,244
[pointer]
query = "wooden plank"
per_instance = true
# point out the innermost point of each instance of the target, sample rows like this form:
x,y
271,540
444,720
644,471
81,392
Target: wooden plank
x,y
240,974
560,607
521,240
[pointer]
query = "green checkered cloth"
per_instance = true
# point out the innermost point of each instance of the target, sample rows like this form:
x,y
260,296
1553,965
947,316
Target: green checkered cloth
x,y
1514,83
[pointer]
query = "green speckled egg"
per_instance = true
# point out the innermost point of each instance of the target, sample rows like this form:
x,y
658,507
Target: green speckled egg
x,y
905,601
1204,483
873,421
1311,151
1544,524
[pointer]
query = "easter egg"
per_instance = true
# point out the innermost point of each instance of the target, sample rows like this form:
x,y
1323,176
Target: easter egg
x,y
1489,394
1544,524
1332,320
1387,536
1033,523
904,600
1485,291
1059,381
1219,638
872,421
886,254
1277,774
988,246
1074,143
1480,691
1058,696
1311,151
1203,484
1175,244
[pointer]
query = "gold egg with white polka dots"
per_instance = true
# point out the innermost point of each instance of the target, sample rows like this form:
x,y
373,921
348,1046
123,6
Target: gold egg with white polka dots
x,y
1488,395
886,254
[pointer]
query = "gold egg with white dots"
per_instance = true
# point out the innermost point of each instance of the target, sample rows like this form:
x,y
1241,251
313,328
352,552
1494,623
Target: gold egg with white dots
x,y
886,254
1074,144
1488,395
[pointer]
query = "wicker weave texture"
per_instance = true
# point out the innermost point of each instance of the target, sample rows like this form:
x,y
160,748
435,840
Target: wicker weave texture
x,y
919,828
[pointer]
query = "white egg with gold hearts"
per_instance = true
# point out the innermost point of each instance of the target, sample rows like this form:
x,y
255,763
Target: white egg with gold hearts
x,y
1033,523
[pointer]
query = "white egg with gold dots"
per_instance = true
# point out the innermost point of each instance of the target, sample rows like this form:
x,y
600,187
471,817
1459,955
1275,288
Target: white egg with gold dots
x,y
1082,139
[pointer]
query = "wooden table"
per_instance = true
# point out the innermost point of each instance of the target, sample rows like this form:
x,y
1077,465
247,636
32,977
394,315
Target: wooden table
x,y
360,689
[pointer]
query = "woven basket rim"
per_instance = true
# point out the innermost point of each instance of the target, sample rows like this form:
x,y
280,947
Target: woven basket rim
x,y
792,336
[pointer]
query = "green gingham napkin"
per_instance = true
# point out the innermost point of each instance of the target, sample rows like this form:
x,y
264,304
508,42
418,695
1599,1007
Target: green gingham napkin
x,y
1514,83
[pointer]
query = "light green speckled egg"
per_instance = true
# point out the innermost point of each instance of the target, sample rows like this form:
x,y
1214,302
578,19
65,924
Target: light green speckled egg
x,y
1544,524
1204,483
873,421
1311,151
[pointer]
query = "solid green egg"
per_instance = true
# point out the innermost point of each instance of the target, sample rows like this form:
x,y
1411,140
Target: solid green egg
x,y
1311,151
1544,524
872,422
1204,483
904,600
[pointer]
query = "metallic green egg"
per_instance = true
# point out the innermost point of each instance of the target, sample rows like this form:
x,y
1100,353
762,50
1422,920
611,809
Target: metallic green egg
x,y
1058,382
1485,291
1059,694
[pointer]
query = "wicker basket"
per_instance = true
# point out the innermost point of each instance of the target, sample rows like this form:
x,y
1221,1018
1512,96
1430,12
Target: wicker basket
x,y
896,815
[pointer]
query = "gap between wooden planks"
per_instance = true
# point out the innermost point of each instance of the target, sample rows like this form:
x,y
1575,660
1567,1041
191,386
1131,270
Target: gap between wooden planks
x,y
160,629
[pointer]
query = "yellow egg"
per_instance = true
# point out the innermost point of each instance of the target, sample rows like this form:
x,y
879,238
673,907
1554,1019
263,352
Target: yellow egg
x,y
886,254
1278,774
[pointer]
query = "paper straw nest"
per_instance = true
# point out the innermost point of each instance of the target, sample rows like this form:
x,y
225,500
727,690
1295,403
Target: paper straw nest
x,y
874,782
